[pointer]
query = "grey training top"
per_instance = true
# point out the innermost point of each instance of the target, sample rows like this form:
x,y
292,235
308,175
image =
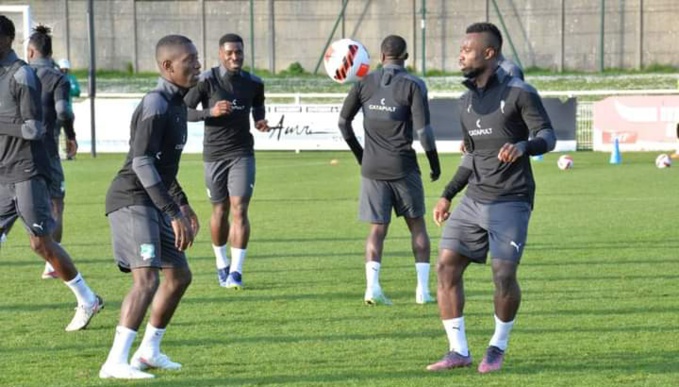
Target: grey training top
x,y
507,110
22,151
394,105
157,138
55,96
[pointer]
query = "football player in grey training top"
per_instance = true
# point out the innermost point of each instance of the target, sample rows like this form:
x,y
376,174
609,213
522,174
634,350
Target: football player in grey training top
x,y
228,94
151,220
499,114
395,109
25,172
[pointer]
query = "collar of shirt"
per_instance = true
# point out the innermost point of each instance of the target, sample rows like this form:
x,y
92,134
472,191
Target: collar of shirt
x,y
393,66
170,89
495,79
10,58
224,73
42,62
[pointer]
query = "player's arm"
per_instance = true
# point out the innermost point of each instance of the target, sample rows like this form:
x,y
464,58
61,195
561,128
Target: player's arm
x,y
65,113
536,119
421,123
74,86
456,185
258,109
351,106
26,88
200,94
182,200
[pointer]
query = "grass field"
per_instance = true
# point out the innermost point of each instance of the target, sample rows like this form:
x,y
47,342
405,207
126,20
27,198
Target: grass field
x,y
599,280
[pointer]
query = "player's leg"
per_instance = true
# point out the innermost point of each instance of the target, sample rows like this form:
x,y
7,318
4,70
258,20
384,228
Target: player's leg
x,y
241,186
176,279
34,208
409,203
135,232
508,231
375,205
463,241
8,212
216,181
57,189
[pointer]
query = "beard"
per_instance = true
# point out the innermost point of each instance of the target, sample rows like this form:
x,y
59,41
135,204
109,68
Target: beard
x,y
472,73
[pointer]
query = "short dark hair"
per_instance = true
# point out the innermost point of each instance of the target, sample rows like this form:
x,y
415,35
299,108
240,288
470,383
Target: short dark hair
x,y
7,27
395,47
171,41
488,28
230,38
41,40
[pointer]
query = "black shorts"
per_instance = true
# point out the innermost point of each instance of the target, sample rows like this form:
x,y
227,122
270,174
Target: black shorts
x,y
233,177
30,201
378,197
475,228
143,237
57,186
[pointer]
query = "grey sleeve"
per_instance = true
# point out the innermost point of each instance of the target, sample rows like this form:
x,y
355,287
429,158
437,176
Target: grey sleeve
x,y
258,110
27,92
61,98
421,117
196,95
144,168
536,119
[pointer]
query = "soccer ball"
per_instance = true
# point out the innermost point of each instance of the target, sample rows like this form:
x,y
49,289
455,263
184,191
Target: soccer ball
x,y
346,61
565,162
663,161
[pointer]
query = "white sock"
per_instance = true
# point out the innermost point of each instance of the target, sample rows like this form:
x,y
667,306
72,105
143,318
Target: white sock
x,y
238,257
150,344
422,269
501,335
82,292
122,342
372,275
221,258
457,337
48,267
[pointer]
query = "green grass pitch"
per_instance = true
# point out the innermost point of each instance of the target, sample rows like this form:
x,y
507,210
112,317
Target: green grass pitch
x,y
599,278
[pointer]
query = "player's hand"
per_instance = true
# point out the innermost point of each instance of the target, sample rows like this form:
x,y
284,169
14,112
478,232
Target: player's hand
x,y
71,148
509,153
262,125
434,175
221,108
183,236
192,217
463,150
441,211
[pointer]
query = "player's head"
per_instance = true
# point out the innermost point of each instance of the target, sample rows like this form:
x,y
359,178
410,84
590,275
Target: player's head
x,y
177,60
40,43
231,52
7,33
64,65
394,49
480,49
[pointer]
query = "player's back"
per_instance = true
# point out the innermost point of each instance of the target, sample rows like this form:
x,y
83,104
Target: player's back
x,y
386,96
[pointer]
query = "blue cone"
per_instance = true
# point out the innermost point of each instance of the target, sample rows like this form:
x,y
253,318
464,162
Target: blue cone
x,y
616,158
537,158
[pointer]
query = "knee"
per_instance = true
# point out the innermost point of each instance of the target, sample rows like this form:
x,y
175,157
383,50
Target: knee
x,y
147,284
40,245
179,283
239,211
448,275
505,281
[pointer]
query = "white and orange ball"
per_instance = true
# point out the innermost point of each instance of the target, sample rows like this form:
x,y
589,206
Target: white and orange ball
x,y
565,162
346,61
663,161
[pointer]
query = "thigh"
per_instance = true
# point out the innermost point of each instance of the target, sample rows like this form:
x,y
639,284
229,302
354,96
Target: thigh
x,y
34,206
217,180
241,180
409,196
464,233
8,210
136,236
508,229
375,201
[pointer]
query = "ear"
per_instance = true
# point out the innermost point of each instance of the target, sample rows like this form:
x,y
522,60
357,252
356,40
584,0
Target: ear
x,y
166,65
383,57
406,56
490,53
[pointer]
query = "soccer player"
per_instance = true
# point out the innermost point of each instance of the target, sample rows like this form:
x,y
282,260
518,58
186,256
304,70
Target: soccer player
x,y
152,223
25,172
228,94
71,143
55,107
499,113
395,108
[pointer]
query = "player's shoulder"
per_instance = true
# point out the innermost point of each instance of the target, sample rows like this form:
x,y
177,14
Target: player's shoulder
x,y
515,82
25,74
154,103
206,75
414,79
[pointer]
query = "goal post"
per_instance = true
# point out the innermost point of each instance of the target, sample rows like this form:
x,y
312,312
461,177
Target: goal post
x,y
21,16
